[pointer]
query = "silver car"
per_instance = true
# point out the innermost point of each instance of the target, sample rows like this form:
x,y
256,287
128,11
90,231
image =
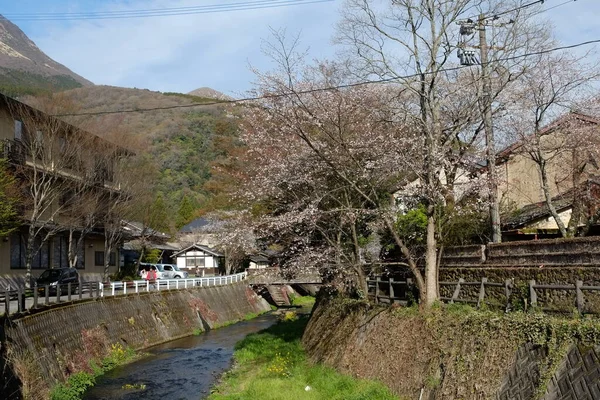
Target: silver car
x,y
171,271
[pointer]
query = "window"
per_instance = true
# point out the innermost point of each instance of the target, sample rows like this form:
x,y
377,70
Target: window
x,y
18,130
18,245
168,268
60,252
191,261
99,258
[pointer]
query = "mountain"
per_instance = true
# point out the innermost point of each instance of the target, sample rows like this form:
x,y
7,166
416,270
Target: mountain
x,y
25,69
210,93
181,139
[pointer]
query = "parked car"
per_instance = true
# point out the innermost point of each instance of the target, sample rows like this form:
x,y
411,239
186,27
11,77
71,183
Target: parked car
x,y
58,276
147,266
172,271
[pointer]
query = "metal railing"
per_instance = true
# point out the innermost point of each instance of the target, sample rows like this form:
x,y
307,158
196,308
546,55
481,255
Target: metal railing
x,y
23,299
114,288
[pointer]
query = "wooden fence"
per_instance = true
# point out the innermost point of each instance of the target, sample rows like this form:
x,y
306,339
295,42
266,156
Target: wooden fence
x,y
476,293
23,299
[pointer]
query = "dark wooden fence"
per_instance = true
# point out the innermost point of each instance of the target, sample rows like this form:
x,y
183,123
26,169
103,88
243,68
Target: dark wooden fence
x,y
504,295
22,299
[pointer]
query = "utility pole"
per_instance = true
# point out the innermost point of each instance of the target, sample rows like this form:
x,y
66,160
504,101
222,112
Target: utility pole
x,y
486,102
467,57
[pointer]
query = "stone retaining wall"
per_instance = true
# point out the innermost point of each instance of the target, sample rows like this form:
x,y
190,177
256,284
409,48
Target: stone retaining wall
x,y
571,252
415,358
45,348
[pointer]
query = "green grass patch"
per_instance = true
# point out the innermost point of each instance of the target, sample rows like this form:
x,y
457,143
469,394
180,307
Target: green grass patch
x,y
303,301
79,382
272,365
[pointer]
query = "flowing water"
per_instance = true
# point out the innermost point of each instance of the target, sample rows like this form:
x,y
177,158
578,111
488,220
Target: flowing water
x,y
182,369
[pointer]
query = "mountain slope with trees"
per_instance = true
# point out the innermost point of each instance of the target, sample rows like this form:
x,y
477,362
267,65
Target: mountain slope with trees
x,y
179,141
25,69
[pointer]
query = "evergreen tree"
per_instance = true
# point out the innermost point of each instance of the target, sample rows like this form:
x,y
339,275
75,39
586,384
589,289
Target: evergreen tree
x,y
185,213
159,218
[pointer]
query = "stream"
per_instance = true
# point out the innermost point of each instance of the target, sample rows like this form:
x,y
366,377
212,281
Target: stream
x,y
179,370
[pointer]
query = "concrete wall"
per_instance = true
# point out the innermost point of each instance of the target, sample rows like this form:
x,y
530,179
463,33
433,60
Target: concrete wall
x,y
47,347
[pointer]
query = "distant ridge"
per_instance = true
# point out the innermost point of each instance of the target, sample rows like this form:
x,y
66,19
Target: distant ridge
x,y
25,68
209,93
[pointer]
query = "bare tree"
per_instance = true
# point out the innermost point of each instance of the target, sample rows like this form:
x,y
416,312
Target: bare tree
x,y
50,164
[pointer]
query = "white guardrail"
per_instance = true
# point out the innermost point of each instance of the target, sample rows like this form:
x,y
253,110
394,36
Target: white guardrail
x,y
114,288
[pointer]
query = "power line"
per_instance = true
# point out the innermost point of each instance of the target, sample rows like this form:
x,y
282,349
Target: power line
x,y
521,7
553,7
324,89
160,12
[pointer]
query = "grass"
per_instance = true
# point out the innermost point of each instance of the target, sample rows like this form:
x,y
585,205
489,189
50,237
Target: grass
x,y
303,301
272,365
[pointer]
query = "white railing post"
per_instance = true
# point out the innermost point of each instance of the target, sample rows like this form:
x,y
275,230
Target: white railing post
x,y
100,287
135,283
147,285
185,284
112,284
168,284
124,287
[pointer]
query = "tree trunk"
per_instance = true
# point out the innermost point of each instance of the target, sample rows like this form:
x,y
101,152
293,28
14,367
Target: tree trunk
x,y
29,255
548,199
107,251
362,279
431,261
72,250
409,259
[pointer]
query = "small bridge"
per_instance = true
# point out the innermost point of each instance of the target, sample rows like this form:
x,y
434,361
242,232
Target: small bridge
x,y
273,283
275,276
21,300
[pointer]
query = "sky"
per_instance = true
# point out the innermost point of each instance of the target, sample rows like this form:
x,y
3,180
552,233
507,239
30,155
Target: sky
x,y
185,52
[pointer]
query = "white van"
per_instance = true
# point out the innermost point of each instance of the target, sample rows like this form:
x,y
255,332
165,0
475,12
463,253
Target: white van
x,y
171,271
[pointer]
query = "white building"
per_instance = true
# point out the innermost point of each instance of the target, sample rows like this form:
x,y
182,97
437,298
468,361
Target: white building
x,y
199,259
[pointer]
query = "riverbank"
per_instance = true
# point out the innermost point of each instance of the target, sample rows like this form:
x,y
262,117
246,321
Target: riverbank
x,y
456,352
272,365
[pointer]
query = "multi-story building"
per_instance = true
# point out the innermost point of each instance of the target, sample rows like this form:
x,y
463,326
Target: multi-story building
x,y
67,180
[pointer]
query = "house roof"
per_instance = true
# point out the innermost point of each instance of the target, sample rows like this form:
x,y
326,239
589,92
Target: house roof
x,y
503,155
196,225
258,258
200,247
135,229
136,244
538,211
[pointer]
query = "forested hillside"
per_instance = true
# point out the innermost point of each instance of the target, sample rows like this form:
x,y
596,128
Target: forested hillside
x,y
180,141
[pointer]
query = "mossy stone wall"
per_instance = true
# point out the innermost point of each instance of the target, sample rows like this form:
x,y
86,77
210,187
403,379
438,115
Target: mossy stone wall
x,y
456,353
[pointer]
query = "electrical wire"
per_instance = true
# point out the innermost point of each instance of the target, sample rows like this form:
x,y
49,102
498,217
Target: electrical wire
x,y
159,12
324,89
533,3
553,7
